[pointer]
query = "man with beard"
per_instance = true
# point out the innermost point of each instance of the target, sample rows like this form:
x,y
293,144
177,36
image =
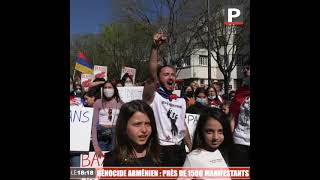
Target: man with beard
x,y
169,110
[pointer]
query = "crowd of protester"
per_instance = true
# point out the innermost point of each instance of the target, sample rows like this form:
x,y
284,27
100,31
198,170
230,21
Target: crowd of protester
x,y
153,132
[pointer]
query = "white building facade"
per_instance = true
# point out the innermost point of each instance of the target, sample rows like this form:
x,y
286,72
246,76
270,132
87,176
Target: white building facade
x,y
195,69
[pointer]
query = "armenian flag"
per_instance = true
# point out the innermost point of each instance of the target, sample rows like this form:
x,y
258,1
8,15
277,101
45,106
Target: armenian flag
x,y
84,64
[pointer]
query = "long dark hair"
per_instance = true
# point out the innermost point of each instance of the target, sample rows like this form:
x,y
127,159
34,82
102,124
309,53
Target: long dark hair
x,y
123,149
192,92
198,138
200,90
94,92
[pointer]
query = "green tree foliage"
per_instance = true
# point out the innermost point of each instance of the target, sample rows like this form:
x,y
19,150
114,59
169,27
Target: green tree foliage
x,y
117,45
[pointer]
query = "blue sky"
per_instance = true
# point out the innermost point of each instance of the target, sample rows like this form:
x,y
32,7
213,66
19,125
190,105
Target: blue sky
x,y
87,16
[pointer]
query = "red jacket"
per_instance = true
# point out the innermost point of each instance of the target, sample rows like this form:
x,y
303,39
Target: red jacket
x,y
238,99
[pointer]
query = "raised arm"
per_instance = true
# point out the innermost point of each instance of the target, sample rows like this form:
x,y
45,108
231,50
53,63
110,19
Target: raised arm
x,y
150,85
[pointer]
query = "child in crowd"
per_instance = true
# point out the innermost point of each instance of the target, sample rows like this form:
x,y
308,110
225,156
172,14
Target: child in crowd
x,y
137,141
212,141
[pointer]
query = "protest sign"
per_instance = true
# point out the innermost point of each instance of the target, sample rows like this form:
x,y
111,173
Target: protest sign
x,y
91,160
80,128
86,80
100,72
128,94
191,121
131,72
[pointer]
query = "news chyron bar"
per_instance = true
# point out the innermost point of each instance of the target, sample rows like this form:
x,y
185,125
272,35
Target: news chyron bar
x,y
160,173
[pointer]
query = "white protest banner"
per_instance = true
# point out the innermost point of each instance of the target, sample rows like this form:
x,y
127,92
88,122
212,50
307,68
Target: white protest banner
x,y
80,128
86,80
100,72
91,160
131,72
191,121
128,94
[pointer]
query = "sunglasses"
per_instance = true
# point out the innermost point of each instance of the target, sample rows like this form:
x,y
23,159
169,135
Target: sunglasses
x,y
110,114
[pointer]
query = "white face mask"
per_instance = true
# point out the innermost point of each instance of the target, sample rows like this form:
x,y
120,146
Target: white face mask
x,y
108,92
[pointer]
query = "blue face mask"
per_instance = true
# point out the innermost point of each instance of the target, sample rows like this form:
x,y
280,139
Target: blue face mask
x,y
201,101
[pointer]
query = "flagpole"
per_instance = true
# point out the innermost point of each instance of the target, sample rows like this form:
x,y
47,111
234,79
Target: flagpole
x,y
74,71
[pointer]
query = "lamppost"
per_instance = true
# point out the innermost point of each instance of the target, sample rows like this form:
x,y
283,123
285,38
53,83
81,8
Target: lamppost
x,y
209,52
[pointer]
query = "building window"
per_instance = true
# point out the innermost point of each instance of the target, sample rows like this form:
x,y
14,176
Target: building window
x,y
203,60
187,61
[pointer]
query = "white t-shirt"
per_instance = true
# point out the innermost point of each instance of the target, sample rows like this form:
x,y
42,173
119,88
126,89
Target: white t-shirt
x,y
205,159
241,134
108,119
201,158
164,110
